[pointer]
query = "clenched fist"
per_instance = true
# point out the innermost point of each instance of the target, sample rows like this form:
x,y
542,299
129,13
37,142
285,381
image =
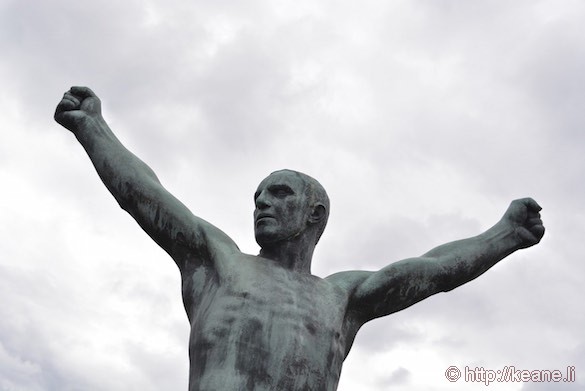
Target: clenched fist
x,y
524,217
78,105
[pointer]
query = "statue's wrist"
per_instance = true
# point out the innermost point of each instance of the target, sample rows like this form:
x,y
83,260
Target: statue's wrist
x,y
504,236
89,126
90,121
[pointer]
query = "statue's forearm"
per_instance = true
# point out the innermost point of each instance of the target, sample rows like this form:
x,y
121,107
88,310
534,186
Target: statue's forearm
x,y
466,259
120,170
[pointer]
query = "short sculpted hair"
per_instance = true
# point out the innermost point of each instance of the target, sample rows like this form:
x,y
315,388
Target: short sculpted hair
x,y
315,194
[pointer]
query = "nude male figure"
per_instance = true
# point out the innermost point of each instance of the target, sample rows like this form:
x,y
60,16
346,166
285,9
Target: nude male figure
x,y
265,322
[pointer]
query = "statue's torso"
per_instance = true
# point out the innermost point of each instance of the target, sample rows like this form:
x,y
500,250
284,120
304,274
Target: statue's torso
x,y
257,326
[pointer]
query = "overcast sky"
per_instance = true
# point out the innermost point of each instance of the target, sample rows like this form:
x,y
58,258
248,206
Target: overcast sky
x,y
422,119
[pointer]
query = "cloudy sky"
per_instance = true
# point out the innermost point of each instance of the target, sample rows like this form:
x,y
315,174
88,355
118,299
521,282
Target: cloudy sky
x,y
423,119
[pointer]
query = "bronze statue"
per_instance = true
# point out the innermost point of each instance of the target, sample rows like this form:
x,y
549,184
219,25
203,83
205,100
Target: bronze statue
x,y
265,322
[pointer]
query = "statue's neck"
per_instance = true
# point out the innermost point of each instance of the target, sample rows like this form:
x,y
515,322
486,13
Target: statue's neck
x,y
294,254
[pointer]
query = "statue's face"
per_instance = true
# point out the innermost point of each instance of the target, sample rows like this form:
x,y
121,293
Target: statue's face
x,y
281,208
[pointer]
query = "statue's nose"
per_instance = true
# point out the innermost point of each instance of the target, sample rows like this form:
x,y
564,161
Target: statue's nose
x,y
262,201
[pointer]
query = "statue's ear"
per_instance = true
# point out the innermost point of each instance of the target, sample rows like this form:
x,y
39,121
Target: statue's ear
x,y
318,213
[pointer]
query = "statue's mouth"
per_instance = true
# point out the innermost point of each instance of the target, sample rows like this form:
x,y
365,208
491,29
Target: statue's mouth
x,y
263,216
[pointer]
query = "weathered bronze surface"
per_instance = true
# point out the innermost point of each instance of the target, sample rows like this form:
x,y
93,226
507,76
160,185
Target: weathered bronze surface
x,y
265,322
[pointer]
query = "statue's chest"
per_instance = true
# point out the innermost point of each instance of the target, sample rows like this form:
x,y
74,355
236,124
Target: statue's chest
x,y
277,300
285,296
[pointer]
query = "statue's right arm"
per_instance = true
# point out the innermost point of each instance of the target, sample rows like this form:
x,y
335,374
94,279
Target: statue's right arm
x,y
188,239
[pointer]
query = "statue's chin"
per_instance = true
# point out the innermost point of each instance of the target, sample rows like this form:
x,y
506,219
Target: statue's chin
x,y
267,240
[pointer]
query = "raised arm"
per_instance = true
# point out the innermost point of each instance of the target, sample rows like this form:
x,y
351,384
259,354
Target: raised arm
x,y
134,185
444,268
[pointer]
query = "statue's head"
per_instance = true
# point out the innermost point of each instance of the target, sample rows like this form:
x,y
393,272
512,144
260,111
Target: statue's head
x,y
289,204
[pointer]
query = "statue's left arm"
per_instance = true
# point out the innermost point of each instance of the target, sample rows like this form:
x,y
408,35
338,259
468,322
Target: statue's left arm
x,y
190,240
404,283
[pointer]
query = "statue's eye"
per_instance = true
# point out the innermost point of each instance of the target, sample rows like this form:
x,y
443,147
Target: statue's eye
x,y
281,191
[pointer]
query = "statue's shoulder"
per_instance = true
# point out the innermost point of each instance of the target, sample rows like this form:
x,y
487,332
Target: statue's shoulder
x,y
348,280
